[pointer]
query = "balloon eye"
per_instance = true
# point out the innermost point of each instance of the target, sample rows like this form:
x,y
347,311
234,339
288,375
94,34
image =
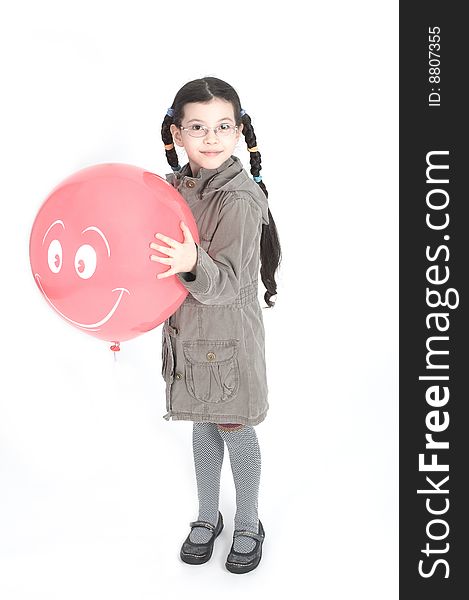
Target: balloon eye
x,y
85,261
54,256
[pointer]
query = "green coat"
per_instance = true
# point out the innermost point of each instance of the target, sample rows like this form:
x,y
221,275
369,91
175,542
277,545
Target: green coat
x,y
213,352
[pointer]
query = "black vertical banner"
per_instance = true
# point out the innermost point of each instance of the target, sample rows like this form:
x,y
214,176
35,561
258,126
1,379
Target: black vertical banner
x,y
434,268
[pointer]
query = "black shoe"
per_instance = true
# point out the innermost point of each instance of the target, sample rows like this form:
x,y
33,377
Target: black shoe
x,y
243,562
197,554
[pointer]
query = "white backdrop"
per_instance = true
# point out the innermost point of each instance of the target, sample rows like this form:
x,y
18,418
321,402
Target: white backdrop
x,y
96,488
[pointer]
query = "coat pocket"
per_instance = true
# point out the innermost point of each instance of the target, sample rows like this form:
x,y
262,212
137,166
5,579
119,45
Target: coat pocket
x,y
212,369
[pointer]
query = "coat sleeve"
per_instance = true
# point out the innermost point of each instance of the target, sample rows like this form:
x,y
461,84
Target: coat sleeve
x,y
217,275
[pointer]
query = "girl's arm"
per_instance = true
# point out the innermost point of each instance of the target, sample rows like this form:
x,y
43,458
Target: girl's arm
x,y
215,278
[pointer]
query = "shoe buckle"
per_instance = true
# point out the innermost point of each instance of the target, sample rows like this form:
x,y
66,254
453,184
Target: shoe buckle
x,y
202,524
256,536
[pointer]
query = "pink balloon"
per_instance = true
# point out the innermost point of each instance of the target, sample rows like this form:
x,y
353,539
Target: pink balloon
x,y
90,250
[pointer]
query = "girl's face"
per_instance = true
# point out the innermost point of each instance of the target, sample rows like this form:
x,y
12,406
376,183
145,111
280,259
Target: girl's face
x,y
212,150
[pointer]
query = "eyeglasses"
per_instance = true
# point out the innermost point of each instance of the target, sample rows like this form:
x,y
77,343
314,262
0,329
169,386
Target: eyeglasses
x,y
199,131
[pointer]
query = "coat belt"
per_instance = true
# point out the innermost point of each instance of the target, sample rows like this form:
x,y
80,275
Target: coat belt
x,y
246,295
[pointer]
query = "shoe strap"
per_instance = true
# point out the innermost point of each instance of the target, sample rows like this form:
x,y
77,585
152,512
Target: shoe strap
x,y
203,524
256,536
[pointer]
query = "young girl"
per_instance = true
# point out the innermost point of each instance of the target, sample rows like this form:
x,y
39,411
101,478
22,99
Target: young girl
x,y
213,357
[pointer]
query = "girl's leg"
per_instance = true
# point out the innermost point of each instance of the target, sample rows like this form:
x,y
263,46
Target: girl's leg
x,y
245,458
208,450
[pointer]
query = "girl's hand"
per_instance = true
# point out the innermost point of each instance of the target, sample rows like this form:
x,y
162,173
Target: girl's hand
x,y
183,255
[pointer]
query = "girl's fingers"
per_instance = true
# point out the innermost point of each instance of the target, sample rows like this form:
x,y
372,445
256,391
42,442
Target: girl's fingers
x,y
167,239
163,249
187,232
165,274
166,261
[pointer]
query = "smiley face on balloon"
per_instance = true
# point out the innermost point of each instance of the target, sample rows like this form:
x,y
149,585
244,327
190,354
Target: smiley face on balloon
x,y
83,264
89,250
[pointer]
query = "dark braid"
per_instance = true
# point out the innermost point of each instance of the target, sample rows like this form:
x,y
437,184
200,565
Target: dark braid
x,y
204,90
250,137
271,255
171,155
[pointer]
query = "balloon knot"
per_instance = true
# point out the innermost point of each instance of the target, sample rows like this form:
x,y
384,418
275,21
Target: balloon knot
x,y
116,347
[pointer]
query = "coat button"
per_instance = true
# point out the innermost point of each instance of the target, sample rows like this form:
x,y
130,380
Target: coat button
x,y
178,375
190,183
210,356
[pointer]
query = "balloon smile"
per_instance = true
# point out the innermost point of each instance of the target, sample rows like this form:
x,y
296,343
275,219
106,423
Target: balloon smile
x,y
89,326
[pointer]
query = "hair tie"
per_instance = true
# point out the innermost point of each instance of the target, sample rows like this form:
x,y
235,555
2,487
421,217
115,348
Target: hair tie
x,y
178,168
257,178
170,112
243,112
168,146
253,149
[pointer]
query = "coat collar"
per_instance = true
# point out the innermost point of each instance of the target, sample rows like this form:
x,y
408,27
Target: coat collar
x,y
229,176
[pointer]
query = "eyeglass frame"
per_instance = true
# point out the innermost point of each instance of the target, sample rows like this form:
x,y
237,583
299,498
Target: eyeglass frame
x,y
206,129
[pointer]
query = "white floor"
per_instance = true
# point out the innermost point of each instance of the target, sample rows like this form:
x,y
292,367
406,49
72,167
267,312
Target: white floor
x,y
97,490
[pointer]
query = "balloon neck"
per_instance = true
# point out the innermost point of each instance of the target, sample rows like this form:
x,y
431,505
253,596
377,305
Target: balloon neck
x,y
115,347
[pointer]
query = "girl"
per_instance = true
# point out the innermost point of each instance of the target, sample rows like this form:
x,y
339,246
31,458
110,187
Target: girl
x,y
213,357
